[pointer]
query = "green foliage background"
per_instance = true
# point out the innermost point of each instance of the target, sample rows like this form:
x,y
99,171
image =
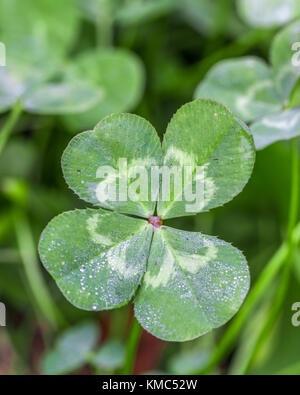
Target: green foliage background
x,y
162,50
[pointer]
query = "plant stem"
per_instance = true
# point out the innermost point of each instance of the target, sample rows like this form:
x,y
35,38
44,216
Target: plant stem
x,y
286,274
27,250
9,124
132,345
104,28
273,266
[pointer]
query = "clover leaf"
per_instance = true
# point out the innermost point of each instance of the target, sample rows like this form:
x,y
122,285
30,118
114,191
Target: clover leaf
x,y
71,349
126,12
109,356
185,283
117,73
77,347
263,95
31,31
268,13
38,36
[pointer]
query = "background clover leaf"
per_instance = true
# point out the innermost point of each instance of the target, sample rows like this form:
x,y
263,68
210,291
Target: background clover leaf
x,y
275,127
211,17
286,72
265,96
47,80
96,257
61,98
193,283
109,356
38,27
71,349
268,13
117,73
31,30
244,84
124,12
206,134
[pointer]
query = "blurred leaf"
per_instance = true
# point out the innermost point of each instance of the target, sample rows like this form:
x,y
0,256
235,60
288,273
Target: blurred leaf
x,y
95,10
109,356
209,17
10,90
191,278
187,361
245,85
140,11
34,26
61,98
276,127
106,266
286,71
118,74
268,13
71,350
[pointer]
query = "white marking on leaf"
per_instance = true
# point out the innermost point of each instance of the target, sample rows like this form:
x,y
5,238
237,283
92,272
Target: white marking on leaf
x,y
194,262
116,258
165,274
180,157
97,238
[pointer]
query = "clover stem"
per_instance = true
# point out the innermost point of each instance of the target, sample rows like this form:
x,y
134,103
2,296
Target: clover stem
x,y
9,124
271,269
104,30
287,269
27,250
132,346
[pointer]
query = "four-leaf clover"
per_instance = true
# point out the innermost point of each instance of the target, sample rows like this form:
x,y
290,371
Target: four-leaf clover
x,y
184,283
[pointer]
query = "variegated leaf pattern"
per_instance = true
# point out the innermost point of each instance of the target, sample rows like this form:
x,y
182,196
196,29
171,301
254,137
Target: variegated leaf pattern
x,y
208,138
189,283
245,85
275,127
117,137
96,257
268,13
286,68
193,283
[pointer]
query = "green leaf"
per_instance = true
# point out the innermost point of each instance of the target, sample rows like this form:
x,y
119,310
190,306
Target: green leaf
x,y
10,90
96,257
61,98
210,17
188,361
20,76
285,60
95,10
193,283
140,11
71,350
117,137
276,127
245,85
118,74
33,32
34,26
268,13
205,134
110,355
